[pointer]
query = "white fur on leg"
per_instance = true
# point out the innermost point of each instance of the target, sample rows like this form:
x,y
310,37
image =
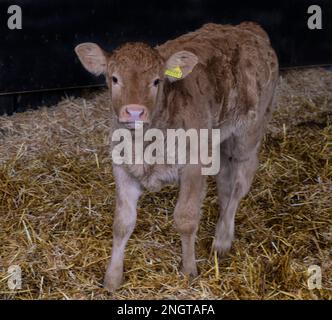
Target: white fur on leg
x,y
224,238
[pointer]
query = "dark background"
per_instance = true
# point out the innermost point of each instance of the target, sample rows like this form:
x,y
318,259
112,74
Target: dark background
x,y
40,57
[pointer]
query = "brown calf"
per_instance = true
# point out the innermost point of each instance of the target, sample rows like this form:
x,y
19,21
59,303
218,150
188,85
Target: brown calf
x,y
225,78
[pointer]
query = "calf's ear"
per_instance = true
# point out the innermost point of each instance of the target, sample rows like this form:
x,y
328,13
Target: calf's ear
x,y
93,58
180,64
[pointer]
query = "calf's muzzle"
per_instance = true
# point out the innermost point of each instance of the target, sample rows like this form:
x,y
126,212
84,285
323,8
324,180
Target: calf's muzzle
x,y
131,113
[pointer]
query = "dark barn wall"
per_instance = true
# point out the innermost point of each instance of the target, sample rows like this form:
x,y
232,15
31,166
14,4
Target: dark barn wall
x,y
40,57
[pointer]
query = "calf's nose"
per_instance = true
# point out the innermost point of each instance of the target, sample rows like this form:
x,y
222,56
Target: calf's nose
x,y
133,112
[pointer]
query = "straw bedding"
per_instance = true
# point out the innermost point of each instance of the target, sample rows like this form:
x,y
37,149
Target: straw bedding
x,y
57,198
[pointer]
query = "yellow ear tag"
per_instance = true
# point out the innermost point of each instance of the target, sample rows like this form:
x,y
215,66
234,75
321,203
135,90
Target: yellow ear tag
x,y
175,72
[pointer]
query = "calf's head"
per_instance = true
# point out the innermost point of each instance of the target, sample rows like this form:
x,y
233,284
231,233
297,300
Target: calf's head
x,y
135,74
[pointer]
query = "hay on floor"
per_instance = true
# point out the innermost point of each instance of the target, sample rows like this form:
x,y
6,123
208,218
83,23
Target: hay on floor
x,y
57,199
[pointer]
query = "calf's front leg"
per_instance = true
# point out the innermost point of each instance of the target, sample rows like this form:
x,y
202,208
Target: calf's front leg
x,y
128,190
187,214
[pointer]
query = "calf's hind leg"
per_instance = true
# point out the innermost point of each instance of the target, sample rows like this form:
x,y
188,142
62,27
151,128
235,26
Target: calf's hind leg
x,y
233,183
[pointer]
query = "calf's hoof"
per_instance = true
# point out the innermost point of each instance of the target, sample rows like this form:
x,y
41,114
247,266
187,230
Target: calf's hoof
x,y
112,283
191,271
222,246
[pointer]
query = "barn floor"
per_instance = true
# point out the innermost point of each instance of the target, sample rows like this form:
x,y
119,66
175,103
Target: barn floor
x,y
57,198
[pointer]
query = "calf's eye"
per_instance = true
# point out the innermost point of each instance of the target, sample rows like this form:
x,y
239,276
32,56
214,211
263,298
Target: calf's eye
x,y
114,80
156,82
